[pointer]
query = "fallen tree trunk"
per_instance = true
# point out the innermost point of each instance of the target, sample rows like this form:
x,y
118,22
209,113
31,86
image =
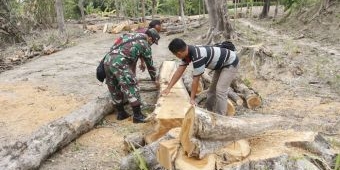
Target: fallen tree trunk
x,y
204,132
28,154
148,153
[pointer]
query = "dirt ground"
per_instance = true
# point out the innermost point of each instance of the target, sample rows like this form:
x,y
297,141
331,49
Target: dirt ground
x,y
301,80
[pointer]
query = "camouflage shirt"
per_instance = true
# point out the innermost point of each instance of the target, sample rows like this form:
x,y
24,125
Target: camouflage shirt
x,y
131,51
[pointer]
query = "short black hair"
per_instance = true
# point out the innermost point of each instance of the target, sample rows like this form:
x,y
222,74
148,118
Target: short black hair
x,y
177,45
153,23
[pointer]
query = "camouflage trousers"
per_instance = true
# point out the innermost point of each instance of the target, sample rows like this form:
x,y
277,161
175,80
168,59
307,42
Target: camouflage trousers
x,y
121,81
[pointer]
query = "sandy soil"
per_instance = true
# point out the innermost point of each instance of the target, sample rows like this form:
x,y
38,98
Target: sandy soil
x,y
51,86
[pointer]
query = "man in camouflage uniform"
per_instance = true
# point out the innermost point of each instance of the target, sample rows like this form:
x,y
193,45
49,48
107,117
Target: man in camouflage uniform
x,y
120,78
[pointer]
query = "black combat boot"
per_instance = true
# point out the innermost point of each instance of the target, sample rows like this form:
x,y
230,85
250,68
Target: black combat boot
x,y
138,116
122,114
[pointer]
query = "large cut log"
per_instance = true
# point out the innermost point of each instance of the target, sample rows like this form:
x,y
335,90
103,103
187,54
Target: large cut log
x,y
148,153
170,110
29,153
203,132
249,95
118,28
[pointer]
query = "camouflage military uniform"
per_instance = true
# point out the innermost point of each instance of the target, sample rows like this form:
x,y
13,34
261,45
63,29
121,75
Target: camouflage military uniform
x,y
120,79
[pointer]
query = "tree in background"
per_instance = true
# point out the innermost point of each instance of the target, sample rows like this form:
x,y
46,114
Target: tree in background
x,y
60,16
265,9
81,8
9,31
219,22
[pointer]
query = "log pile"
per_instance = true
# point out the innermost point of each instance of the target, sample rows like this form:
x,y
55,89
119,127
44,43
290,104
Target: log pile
x,y
170,25
209,141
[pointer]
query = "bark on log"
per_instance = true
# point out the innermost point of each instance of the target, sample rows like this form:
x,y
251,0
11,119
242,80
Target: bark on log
x,y
249,95
28,154
170,110
148,152
180,29
235,97
204,132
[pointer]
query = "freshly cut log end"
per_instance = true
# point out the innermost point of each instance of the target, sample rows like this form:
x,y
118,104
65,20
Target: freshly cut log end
x,y
187,131
230,109
253,101
236,151
162,127
183,162
167,152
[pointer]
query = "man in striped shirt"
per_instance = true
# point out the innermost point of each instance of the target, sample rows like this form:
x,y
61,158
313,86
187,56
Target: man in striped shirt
x,y
223,61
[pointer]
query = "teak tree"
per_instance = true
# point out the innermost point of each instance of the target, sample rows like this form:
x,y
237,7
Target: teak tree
x,y
265,9
60,16
220,25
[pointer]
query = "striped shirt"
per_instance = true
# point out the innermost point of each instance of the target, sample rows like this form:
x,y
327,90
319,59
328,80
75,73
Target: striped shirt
x,y
209,57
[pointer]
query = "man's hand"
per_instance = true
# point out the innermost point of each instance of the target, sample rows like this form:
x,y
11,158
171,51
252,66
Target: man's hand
x,y
193,102
165,92
142,67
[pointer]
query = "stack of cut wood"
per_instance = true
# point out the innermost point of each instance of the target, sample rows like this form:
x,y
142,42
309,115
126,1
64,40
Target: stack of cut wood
x,y
170,25
174,25
170,110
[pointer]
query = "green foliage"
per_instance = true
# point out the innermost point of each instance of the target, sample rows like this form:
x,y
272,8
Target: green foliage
x,y
169,7
139,158
337,163
298,4
71,9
